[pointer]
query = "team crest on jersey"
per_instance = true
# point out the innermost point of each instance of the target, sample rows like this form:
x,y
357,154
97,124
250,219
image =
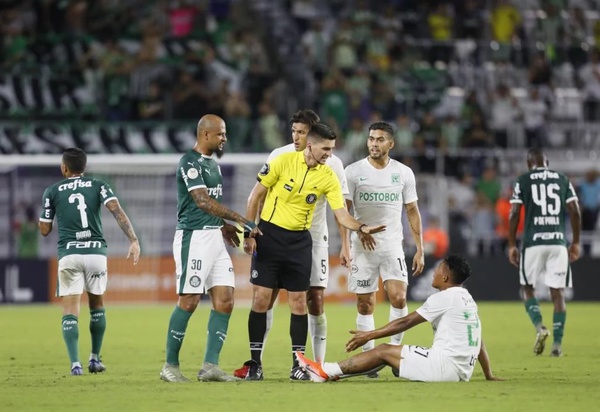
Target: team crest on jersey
x,y
192,173
264,170
395,177
311,198
195,281
254,274
354,268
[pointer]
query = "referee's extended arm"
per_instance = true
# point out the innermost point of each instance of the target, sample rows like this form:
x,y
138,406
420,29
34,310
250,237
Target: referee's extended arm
x,y
364,231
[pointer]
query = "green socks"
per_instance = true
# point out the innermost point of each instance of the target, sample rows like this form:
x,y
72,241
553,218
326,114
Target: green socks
x,y
533,310
97,328
177,326
558,326
70,331
217,332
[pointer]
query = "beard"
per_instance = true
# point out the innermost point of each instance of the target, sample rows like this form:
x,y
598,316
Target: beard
x,y
219,153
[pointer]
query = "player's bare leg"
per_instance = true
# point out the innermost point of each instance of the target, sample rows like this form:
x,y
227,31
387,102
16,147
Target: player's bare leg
x,y
558,321
317,322
361,364
97,329
70,330
533,310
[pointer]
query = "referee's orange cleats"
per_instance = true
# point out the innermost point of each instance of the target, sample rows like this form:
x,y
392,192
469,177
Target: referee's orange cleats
x,y
314,369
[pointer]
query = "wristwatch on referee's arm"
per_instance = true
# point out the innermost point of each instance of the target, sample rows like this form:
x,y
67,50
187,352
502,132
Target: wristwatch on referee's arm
x,y
248,227
360,229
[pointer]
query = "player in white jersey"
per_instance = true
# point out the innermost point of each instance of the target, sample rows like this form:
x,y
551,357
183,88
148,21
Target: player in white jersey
x,y
457,342
301,123
379,188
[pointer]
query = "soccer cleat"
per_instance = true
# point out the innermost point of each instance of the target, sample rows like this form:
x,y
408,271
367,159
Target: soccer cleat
x,y
243,371
212,373
171,373
396,372
556,352
314,369
298,374
95,366
76,371
255,371
540,341
372,375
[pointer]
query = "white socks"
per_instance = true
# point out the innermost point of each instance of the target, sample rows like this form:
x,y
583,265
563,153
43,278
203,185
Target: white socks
x,y
269,325
332,369
366,323
396,313
317,326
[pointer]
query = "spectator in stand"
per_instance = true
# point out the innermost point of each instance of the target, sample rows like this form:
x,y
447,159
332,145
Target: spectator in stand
x,y
589,75
435,239
440,28
469,20
477,135
482,226
489,185
589,195
315,43
152,106
540,77
503,112
505,23
190,97
27,233
334,99
405,132
535,113
503,207
181,18
237,113
269,127
550,30
576,36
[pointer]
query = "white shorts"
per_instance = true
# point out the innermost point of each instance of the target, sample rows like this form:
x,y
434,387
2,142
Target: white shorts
x,y
426,365
77,273
546,264
367,267
201,261
319,273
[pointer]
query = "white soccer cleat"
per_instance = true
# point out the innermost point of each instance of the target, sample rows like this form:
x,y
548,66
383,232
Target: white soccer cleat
x,y
171,373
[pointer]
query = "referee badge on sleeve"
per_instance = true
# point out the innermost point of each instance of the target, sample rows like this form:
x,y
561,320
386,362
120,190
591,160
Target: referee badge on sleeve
x,y
311,198
264,170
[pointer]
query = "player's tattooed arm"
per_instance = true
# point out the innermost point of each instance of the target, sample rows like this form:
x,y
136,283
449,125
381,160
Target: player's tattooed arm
x,y
211,206
122,219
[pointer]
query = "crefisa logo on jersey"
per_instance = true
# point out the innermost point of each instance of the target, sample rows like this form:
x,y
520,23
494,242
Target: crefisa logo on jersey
x,y
311,198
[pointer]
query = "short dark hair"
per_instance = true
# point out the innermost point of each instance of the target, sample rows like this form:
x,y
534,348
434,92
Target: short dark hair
x,y
321,131
459,268
386,127
305,116
75,159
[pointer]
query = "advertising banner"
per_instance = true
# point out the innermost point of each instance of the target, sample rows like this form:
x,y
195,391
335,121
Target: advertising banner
x,y
23,280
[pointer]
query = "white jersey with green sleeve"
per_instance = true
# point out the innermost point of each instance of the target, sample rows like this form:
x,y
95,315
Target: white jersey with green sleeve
x,y
456,327
378,197
318,230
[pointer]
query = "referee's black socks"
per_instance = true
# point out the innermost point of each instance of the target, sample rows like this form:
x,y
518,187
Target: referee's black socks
x,y
257,327
298,333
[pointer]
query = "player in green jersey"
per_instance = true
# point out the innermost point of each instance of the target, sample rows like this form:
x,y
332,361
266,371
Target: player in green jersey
x,y
75,202
544,257
202,264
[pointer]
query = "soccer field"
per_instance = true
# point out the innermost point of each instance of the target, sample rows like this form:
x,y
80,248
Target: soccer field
x,y
34,368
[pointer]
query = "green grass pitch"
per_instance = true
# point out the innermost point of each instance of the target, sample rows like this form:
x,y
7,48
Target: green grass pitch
x,y
34,368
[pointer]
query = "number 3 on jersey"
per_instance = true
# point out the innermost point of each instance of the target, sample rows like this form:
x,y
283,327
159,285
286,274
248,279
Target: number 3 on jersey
x,y
81,206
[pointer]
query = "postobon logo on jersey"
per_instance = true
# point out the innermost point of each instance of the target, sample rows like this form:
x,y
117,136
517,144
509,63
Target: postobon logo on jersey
x,y
378,197
311,198
192,173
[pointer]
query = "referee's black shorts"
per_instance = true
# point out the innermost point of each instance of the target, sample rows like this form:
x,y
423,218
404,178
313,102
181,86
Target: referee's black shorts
x,y
283,258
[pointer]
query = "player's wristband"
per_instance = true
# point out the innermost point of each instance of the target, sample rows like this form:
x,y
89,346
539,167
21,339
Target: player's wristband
x,y
246,234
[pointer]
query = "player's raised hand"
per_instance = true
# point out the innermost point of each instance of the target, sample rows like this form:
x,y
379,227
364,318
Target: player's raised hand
x,y
231,234
134,251
574,252
514,256
358,340
418,263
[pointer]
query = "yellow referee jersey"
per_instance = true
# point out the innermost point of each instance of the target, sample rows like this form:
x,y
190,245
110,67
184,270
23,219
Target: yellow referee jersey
x,y
294,189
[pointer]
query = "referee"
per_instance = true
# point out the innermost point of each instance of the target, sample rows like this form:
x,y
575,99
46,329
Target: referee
x,y
292,182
